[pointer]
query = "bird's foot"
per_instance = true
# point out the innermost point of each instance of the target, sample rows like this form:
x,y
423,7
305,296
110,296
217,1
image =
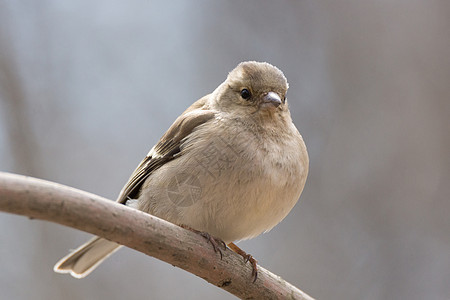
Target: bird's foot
x,y
215,242
247,258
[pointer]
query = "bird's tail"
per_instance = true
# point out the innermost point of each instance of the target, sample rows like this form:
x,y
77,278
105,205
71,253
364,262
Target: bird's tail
x,y
86,258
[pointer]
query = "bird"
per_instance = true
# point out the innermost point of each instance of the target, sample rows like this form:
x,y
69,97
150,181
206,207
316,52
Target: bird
x,y
230,167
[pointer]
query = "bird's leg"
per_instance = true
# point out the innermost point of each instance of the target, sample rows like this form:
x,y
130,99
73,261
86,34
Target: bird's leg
x,y
247,257
215,242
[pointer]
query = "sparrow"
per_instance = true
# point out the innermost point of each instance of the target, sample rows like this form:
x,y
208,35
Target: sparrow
x,y
231,167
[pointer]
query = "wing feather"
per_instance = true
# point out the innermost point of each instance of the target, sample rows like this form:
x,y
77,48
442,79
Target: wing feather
x,y
167,148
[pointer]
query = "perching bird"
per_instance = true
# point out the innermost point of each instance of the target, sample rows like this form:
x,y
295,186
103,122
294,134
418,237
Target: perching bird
x,y
233,165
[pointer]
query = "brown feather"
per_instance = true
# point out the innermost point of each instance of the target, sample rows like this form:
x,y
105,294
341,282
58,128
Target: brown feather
x,y
167,148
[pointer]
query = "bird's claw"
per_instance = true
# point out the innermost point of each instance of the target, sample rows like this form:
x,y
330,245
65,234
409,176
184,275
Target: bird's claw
x,y
247,258
215,242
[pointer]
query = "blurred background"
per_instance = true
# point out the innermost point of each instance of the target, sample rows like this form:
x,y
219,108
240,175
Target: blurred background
x,y
87,88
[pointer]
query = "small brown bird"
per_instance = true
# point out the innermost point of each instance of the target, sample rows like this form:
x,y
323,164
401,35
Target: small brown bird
x,y
232,165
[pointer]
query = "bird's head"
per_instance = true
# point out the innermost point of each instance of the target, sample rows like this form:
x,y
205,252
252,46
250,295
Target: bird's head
x,y
253,87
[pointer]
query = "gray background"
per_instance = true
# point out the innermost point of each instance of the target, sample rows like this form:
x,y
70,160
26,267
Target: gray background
x,y
87,87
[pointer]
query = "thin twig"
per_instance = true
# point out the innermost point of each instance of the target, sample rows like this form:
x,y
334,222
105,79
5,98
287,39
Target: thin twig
x,y
67,206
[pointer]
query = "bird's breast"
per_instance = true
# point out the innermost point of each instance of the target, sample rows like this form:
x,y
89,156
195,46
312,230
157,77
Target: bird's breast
x,y
230,182
248,181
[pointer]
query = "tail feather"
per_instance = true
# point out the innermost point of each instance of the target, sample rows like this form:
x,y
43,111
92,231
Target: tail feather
x,y
86,258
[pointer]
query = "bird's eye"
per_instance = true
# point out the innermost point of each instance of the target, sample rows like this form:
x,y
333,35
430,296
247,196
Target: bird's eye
x,y
245,94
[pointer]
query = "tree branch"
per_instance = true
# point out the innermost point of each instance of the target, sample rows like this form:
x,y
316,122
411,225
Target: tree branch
x,y
67,206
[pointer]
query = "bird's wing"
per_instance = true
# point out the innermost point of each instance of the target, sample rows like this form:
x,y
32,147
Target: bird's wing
x,y
167,148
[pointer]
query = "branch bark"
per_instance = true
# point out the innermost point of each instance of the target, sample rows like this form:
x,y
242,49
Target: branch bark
x,y
153,236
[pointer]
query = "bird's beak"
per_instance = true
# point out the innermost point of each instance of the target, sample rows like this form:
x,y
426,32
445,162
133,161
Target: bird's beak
x,y
272,98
